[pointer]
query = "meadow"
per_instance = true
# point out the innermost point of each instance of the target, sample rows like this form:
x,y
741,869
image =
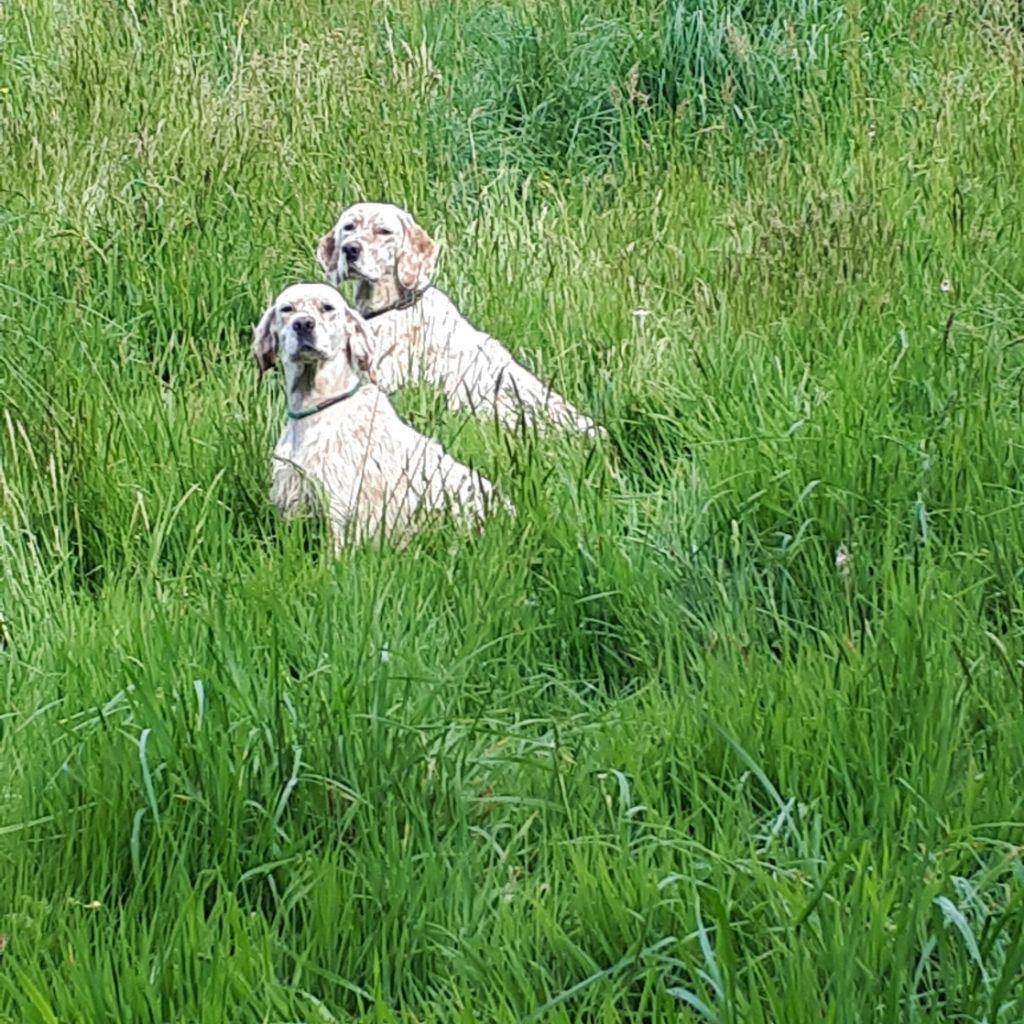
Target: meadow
x,y
726,726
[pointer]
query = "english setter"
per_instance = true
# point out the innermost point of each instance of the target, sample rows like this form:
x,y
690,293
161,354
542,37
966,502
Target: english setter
x,y
419,334
344,448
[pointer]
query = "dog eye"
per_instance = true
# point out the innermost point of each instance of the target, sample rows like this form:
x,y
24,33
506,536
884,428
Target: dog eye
x,y
327,307
286,309
348,227
384,231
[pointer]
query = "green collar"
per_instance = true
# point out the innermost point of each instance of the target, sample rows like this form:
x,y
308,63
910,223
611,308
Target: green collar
x,y
325,404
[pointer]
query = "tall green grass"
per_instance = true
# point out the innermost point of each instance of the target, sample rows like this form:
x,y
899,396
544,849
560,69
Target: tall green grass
x,y
726,726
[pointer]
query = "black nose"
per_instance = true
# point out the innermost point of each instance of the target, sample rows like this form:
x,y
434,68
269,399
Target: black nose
x,y
302,324
351,250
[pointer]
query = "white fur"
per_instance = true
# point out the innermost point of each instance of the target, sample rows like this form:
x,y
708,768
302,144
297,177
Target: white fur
x,y
356,460
417,331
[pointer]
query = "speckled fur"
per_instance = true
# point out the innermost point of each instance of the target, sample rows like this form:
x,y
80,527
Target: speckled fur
x,y
426,337
356,461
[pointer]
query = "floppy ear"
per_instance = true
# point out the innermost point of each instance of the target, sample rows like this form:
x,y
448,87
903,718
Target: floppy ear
x,y
327,257
360,344
264,343
417,257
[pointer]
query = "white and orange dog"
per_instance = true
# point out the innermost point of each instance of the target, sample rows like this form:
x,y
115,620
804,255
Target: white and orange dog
x,y
419,334
344,448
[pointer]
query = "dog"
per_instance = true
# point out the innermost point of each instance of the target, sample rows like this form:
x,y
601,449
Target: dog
x,y
344,448
419,334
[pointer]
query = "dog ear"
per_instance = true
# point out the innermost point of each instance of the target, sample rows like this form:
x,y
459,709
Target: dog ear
x,y
417,256
360,344
264,342
327,257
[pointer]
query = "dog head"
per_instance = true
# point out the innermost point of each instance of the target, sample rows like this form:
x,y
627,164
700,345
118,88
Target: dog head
x,y
378,243
309,326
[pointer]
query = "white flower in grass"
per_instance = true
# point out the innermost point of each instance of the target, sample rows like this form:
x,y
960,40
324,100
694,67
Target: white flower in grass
x,y
385,654
945,285
843,561
640,315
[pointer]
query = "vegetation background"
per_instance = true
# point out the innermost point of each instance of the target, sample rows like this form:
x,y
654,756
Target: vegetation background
x,y
727,726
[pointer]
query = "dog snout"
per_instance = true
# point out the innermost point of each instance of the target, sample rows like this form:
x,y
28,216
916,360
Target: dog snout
x,y
303,324
351,251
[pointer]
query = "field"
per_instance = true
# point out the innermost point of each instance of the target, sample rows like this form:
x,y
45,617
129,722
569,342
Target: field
x,y
726,726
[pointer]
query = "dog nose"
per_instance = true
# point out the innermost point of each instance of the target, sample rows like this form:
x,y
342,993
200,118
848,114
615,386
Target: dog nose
x,y
351,250
303,324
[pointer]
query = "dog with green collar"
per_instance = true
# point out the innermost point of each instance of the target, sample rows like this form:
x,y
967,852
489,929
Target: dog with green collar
x,y
344,449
